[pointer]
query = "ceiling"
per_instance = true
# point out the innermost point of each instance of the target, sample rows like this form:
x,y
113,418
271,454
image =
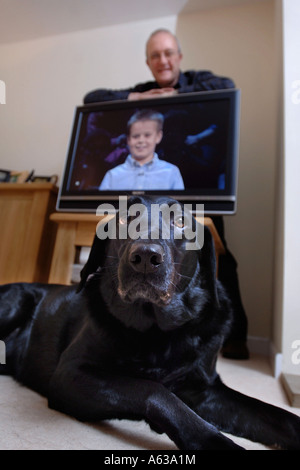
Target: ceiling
x,y
29,19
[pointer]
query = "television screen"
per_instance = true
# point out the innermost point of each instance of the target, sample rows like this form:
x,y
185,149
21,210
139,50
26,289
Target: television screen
x,y
185,147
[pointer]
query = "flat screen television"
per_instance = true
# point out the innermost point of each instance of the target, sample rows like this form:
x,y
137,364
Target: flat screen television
x,y
200,136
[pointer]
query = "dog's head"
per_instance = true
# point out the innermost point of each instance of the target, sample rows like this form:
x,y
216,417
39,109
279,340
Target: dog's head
x,y
153,264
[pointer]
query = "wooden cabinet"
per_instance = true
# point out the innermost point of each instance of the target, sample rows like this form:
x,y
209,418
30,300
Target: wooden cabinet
x,y
27,235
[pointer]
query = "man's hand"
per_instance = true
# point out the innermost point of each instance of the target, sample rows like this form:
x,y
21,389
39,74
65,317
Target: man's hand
x,y
154,93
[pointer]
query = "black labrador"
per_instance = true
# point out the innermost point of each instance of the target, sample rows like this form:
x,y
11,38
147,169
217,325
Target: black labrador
x,y
138,339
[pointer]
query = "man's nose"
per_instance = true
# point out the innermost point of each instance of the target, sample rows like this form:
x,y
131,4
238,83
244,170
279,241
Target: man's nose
x,y
163,58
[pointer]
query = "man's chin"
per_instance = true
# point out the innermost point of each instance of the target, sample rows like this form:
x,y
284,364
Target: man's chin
x,y
165,80
165,84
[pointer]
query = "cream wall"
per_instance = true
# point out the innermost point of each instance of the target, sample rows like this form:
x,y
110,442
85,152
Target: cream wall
x,y
239,42
290,182
48,77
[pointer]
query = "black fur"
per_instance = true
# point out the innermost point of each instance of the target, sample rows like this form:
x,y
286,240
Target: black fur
x,y
138,339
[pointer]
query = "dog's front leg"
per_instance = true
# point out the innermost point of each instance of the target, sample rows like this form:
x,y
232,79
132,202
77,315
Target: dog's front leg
x,y
250,418
82,393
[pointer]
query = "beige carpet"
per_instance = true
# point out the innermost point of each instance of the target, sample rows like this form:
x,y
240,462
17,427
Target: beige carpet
x,y
26,423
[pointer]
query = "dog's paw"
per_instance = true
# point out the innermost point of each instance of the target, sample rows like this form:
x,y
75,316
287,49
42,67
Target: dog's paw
x,y
220,442
212,441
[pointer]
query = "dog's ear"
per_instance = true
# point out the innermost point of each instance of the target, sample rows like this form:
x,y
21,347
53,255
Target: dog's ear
x,y
207,258
95,261
106,229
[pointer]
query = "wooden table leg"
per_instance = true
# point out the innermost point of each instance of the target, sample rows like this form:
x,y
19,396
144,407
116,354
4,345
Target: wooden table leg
x,y
64,254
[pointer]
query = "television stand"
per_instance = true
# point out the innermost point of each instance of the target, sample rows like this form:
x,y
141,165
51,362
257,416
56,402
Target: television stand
x,y
77,230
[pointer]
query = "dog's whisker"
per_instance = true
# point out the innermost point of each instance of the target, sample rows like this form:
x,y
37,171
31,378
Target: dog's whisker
x,y
184,276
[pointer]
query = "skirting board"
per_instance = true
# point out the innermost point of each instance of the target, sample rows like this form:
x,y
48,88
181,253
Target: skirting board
x,y
264,347
258,345
291,385
290,382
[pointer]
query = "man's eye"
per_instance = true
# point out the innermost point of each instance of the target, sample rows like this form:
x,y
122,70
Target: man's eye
x,y
169,53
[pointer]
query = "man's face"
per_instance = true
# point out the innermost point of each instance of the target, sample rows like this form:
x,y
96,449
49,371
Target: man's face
x,y
163,59
142,140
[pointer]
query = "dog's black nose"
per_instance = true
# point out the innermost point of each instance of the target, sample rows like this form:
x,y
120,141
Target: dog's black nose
x,y
146,258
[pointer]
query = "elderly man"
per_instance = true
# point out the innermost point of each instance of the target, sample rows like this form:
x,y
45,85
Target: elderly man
x,y
163,57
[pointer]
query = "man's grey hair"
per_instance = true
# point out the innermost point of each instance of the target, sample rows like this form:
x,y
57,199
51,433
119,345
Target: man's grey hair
x,y
163,30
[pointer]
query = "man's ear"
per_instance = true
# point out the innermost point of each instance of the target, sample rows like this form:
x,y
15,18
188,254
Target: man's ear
x,y
94,262
207,259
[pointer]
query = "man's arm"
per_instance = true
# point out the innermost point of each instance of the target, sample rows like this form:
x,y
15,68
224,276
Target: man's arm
x,y
130,94
155,93
135,92
191,81
103,94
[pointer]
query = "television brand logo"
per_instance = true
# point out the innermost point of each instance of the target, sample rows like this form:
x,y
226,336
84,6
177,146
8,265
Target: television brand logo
x,y
2,92
164,222
2,353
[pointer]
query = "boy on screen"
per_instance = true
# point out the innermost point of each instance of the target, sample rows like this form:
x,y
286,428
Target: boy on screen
x,y
142,169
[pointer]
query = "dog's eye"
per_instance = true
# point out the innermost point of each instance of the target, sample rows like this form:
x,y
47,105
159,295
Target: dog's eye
x,y
123,219
179,221
126,218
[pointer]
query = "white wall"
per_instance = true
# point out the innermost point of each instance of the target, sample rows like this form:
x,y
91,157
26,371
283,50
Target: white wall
x,y
291,221
48,77
278,275
239,42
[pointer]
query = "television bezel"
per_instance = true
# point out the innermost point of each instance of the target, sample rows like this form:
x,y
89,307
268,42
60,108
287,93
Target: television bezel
x,y
223,203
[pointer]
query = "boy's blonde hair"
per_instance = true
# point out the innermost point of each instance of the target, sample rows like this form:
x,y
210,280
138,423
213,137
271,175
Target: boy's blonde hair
x,y
146,115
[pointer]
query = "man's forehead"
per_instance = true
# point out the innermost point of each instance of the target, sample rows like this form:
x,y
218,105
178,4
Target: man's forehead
x,y
161,41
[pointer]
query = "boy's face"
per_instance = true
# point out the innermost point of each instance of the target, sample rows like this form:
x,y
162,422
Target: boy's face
x,y
142,140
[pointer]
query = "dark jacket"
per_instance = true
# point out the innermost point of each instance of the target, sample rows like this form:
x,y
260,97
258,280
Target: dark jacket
x,y
188,82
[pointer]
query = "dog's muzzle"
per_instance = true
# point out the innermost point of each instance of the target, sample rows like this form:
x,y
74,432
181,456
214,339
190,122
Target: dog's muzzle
x,y
146,272
146,258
